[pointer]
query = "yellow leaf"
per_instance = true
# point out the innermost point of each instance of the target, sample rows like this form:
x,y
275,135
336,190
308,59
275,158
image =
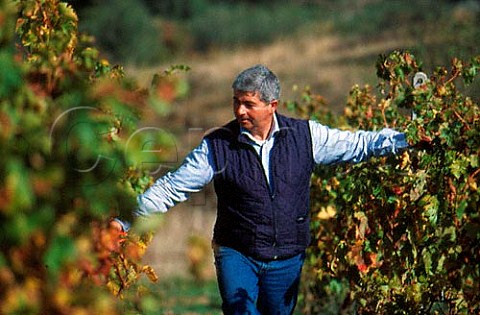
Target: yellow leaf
x,y
114,287
327,212
150,272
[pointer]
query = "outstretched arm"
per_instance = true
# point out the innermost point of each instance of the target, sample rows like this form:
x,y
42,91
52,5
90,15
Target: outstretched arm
x,y
332,146
195,172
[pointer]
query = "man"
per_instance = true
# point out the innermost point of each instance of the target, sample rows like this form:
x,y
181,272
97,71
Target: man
x,y
261,164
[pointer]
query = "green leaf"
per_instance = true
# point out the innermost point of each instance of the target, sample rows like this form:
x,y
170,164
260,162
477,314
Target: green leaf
x,y
473,159
440,263
459,167
10,76
18,184
430,205
461,209
61,251
3,261
418,188
427,261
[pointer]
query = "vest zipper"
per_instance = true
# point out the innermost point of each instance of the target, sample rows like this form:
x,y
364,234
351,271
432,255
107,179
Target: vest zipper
x,y
272,194
270,186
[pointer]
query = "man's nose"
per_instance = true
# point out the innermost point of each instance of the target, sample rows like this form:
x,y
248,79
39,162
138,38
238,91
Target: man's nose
x,y
240,109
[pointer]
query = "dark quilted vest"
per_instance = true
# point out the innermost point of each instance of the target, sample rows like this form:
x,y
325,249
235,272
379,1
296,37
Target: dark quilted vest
x,y
260,221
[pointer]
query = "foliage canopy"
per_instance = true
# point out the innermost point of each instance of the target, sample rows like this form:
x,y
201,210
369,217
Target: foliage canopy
x,y
401,234
71,159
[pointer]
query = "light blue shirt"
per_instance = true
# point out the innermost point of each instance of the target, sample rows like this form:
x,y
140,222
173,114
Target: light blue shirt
x,y
329,146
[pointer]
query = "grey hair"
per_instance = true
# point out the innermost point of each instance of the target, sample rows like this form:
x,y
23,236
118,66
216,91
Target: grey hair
x,y
258,79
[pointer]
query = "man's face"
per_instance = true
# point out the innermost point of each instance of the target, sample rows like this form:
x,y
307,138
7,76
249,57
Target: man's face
x,y
253,114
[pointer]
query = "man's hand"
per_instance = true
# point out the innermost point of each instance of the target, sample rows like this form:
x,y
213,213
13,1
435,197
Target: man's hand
x,y
425,143
115,235
114,225
108,237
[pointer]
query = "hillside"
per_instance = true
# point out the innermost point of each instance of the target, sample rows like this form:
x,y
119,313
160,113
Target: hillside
x,y
329,64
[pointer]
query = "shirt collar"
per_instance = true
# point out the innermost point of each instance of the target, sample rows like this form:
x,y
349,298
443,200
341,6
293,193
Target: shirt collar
x,y
275,128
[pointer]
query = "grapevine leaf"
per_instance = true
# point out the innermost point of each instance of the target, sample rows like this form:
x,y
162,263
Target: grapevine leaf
x,y
430,205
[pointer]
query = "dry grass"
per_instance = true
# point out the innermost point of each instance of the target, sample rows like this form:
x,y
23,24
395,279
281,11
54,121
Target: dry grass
x,y
330,65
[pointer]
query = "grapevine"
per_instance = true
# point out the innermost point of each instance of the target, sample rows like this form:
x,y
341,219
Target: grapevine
x,y
66,117
399,234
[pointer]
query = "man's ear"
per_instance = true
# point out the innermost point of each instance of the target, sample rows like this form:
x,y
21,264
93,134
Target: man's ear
x,y
274,104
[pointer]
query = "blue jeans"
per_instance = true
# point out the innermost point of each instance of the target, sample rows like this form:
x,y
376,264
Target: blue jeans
x,y
249,286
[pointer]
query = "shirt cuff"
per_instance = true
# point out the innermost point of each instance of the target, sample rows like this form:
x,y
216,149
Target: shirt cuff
x,y
125,224
400,142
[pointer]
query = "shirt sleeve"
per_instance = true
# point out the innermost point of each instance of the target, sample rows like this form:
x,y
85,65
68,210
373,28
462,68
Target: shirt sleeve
x,y
195,172
331,146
